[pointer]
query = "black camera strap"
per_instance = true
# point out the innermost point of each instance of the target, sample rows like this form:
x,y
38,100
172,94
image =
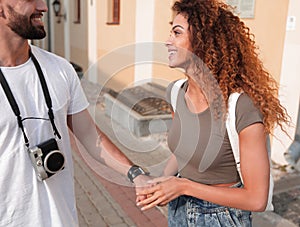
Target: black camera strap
x,y
15,106
46,94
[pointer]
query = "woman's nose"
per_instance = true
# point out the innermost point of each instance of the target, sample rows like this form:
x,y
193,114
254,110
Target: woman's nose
x,y
169,40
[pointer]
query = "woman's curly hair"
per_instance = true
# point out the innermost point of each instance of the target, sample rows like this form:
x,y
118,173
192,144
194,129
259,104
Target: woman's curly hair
x,y
227,48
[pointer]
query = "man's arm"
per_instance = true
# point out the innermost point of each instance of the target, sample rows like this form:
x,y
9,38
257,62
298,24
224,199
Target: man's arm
x,y
97,143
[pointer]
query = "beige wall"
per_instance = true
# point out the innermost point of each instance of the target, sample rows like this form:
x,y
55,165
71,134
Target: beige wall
x,y
163,16
79,36
268,26
58,33
59,46
112,37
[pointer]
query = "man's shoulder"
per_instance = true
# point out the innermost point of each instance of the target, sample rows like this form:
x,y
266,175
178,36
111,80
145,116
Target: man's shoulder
x,y
44,55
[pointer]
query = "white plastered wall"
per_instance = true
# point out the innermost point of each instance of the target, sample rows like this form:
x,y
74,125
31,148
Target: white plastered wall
x,y
145,11
289,83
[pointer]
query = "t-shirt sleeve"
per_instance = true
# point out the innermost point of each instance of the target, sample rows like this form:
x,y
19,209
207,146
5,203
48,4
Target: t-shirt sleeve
x,y
78,100
246,113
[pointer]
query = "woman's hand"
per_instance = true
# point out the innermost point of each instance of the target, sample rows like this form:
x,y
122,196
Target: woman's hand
x,y
163,190
141,183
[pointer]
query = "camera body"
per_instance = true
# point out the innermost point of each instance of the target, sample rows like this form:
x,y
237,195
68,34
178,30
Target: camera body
x,y
46,159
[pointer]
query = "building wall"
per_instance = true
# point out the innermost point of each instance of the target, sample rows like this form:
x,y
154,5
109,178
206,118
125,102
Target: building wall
x,y
163,16
268,26
59,44
116,45
113,42
289,85
79,35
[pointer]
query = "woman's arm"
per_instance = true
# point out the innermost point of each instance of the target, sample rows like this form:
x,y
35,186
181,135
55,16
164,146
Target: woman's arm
x,y
255,171
171,167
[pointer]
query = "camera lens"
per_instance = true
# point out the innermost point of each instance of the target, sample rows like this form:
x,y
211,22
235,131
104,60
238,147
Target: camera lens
x,y
54,161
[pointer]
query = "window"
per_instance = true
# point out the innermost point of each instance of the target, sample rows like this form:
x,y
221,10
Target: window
x,y
113,12
77,12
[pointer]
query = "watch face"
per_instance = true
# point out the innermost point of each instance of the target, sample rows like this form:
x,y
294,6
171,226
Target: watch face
x,y
135,171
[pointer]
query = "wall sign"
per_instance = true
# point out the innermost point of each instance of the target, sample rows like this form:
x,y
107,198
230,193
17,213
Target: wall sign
x,y
291,23
243,8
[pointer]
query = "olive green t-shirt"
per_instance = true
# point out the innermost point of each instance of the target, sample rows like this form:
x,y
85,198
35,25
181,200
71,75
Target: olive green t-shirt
x,y
200,142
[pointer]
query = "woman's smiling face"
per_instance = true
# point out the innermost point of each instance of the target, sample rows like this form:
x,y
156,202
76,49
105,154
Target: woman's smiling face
x,y
178,44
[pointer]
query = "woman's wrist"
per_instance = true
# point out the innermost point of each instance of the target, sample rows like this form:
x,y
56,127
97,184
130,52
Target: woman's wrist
x,y
184,186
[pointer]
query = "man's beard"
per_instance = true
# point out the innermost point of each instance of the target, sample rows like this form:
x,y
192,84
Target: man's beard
x,y
22,26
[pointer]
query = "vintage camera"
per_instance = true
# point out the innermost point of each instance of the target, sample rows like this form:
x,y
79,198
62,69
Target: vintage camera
x,y
46,159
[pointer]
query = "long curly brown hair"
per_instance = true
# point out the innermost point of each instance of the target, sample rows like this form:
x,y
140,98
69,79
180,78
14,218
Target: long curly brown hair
x,y
226,46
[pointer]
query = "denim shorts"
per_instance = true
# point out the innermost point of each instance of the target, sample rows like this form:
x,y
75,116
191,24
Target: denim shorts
x,y
190,211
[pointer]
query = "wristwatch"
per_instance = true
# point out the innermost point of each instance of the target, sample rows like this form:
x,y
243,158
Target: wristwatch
x,y
135,171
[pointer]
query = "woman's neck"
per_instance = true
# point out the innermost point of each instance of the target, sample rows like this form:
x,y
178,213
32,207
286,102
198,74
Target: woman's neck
x,y
195,97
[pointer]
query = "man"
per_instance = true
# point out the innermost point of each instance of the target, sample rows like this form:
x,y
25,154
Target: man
x,y
33,193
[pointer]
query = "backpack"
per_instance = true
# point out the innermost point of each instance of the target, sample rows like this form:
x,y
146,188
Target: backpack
x,y
232,133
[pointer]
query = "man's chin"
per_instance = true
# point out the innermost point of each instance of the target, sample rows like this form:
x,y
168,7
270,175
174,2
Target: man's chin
x,y
37,35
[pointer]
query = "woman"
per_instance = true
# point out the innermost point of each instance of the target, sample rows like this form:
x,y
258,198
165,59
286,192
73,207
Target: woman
x,y
219,57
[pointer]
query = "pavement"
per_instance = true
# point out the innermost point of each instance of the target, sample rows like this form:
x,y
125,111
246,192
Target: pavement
x,y
105,198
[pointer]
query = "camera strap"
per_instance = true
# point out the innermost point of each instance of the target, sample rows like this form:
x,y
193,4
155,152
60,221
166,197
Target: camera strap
x,y
46,94
15,106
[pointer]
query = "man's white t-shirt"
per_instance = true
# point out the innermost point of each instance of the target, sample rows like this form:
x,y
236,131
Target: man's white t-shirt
x,y
25,201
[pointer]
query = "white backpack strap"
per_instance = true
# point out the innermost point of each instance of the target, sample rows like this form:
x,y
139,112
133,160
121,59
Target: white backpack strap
x,y
270,206
174,92
231,129
234,141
